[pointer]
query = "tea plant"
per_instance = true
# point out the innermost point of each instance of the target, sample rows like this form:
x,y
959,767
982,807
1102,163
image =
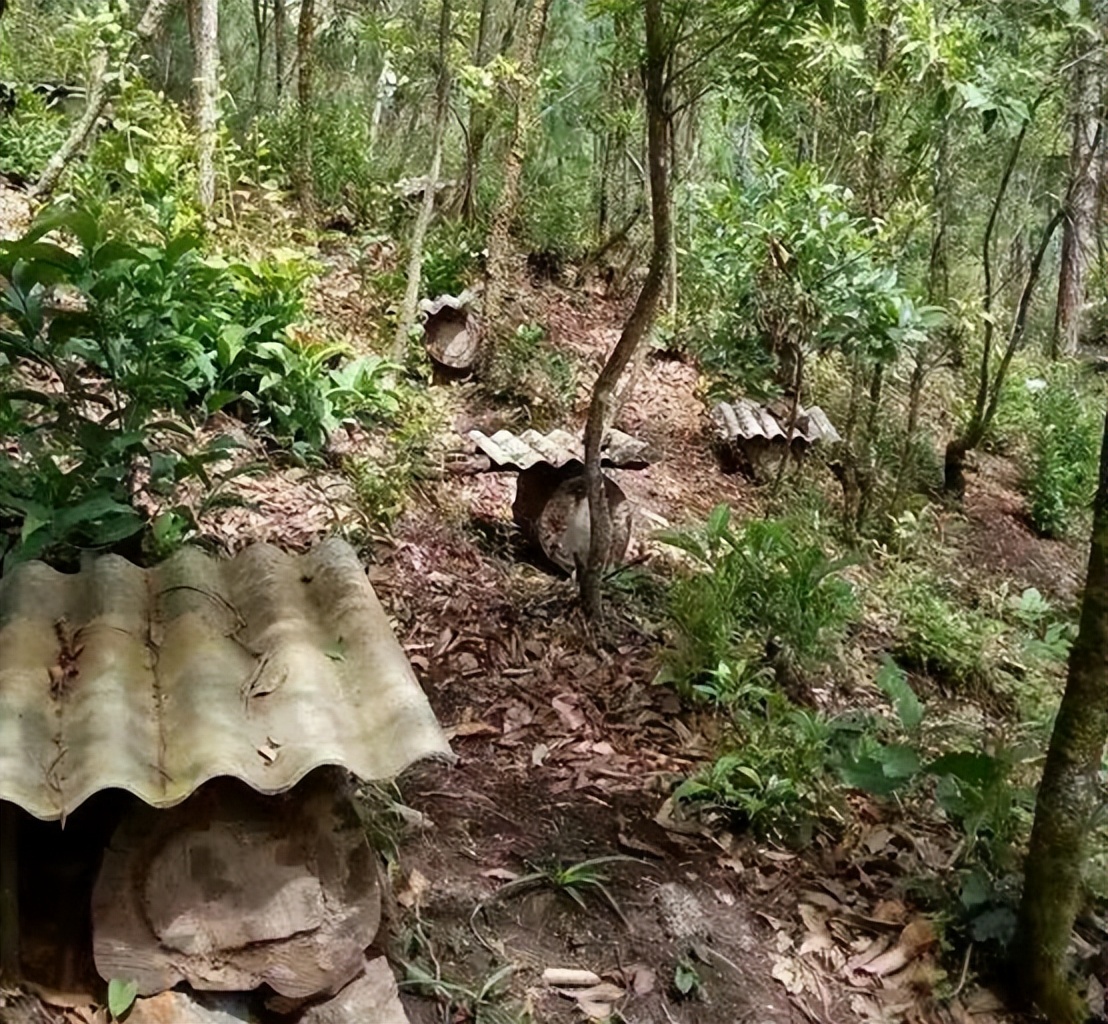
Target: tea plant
x,y
775,774
760,593
1065,447
529,372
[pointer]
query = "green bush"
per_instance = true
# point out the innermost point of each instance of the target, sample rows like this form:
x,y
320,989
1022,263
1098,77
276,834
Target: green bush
x,y
528,371
29,136
937,635
148,331
775,775
764,593
1064,458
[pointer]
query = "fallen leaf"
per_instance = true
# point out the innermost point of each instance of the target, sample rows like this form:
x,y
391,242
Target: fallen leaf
x,y
595,1011
539,754
917,936
643,979
473,728
787,971
418,886
568,713
503,874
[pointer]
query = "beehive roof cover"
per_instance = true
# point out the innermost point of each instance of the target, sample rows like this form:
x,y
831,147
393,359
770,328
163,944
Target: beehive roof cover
x,y
744,421
511,451
261,667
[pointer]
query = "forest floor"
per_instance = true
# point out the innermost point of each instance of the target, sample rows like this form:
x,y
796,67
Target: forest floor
x,y
567,751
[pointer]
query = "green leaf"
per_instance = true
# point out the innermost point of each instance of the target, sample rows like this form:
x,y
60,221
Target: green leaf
x,y
868,774
893,682
858,14
121,996
967,766
899,761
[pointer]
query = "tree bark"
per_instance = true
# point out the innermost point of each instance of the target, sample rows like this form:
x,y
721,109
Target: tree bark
x,y
279,34
1079,227
205,47
260,11
151,21
1068,792
305,33
989,399
500,241
427,207
638,324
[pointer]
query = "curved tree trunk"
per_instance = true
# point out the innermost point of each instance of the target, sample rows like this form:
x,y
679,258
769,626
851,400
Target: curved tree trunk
x,y
149,24
642,316
305,33
1068,792
205,47
427,207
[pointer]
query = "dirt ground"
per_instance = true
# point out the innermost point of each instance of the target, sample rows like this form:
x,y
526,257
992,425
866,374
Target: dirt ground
x,y
567,751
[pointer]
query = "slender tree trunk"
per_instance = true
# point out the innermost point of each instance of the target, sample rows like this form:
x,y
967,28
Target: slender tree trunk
x,y
1068,792
427,207
1079,227
261,31
305,34
955,460
280,19
478,118
638,324
152,19
205,47
500,240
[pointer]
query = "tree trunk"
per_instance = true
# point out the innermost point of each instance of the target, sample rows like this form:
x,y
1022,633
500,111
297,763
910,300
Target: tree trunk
x,y
427,207
1079,227
205,47
261,27
989,396
151,21
279,33
1068,792
305,33
478,119
500,241
642,316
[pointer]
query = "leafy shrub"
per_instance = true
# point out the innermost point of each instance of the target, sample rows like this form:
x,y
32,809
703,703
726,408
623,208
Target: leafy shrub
x,y
937,635
530,372
980,792
29,136
1064,458
761,593
148,330
784,261
775,776
449,260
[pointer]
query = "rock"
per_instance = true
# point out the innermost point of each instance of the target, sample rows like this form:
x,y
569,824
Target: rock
x,y
372,996
177,1008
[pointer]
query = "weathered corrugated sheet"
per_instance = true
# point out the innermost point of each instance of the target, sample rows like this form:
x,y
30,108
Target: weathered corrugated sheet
x,y
260,667
510,451
743,421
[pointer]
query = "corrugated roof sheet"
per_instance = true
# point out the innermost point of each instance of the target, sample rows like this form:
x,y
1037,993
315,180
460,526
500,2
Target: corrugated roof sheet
x,y
510,451
744,421
260,667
